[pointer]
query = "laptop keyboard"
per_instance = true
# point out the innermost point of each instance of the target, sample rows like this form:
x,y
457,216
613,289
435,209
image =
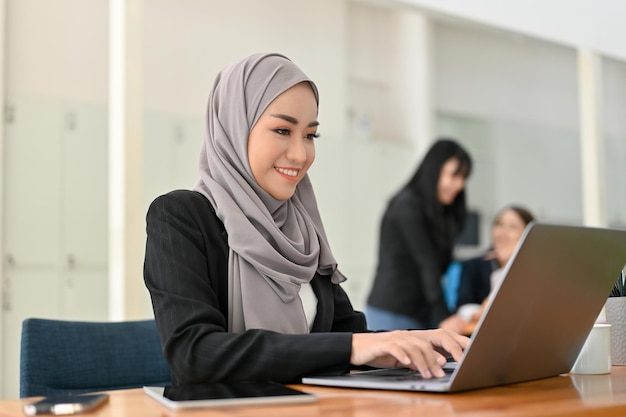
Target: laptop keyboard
x,y
401,374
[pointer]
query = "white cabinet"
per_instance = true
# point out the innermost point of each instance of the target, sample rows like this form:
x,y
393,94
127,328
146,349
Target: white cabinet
x,y
32,184
55,218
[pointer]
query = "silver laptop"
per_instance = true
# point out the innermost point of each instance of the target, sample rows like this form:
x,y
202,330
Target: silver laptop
x,y
537,319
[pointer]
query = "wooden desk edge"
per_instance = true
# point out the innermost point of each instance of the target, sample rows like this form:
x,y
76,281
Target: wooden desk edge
x,y
576,395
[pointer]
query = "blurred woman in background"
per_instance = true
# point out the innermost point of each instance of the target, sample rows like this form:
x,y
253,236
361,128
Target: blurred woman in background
x,y
417,235
480,275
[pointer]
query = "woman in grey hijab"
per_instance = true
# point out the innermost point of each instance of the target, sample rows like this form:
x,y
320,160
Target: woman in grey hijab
x,y
243,283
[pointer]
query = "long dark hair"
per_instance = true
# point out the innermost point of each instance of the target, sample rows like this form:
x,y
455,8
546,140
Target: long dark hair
x,y
448,221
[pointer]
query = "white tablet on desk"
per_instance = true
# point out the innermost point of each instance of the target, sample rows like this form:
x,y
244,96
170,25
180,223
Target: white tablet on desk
x,y
227,395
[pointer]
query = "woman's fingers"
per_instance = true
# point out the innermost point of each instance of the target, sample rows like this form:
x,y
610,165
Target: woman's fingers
x,y
450,342
415,349
424,357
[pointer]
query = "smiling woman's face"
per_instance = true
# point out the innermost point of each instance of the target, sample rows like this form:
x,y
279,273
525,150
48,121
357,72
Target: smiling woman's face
x,y
506,232
281,144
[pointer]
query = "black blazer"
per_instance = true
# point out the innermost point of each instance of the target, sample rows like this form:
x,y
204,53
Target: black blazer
x,y
410,263
475,283
186,272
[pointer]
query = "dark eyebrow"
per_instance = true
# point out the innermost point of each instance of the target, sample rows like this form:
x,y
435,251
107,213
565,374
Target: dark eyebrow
x,y
293,120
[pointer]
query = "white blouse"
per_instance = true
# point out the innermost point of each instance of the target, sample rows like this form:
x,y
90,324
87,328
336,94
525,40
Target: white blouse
x,y
309,303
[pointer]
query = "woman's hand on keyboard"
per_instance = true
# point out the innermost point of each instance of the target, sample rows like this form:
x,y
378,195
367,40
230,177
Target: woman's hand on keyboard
x,y
421,350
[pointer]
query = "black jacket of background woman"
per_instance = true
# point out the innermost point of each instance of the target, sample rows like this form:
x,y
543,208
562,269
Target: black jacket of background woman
x,y
475,283
411,262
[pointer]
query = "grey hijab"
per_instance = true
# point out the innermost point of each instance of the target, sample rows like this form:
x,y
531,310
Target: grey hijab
x,y
275,246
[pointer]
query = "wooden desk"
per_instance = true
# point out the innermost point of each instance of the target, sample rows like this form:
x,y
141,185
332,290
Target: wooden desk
x,y
567,395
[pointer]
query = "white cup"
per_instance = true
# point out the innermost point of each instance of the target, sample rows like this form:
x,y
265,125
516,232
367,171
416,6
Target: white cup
x,y
467,311
595,355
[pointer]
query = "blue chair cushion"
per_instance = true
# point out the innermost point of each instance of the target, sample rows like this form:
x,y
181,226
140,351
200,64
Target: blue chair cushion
x,y
73,357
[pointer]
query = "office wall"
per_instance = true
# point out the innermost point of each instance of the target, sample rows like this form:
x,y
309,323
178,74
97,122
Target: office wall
x,y
597,25
513,101
57,49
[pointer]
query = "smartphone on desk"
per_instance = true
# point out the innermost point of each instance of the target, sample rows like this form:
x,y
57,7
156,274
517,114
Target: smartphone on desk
x,y
65,404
